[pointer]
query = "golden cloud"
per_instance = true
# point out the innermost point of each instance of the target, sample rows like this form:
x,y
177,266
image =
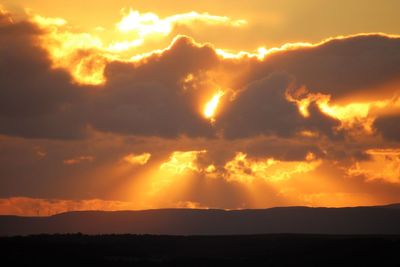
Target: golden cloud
x,y
78,160
149,23
25,206
384,165
181,161
140,159
245,170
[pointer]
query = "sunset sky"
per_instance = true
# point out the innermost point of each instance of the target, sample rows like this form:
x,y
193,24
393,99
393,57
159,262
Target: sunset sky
x,y
116,105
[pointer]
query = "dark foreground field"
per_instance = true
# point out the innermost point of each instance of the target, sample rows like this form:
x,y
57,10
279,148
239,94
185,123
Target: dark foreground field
x,y
147,250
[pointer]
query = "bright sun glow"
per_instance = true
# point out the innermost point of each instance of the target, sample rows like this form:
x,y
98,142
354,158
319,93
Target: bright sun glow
x,y
212,105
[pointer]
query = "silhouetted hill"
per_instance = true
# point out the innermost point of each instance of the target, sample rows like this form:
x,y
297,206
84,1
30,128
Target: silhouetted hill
x,y
357,220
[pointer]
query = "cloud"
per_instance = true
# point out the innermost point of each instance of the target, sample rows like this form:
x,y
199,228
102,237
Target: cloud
x,y
24,206
181,161
384,165
35,100
301,169
152,96
388,126
295,148
231,132
38,101
263,109
342,66
149,23
260,89
148,98
86,54
78,160
141,29
140,159
245,170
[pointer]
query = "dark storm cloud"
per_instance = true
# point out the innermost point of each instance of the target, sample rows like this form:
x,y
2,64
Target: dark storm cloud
x,y
389,127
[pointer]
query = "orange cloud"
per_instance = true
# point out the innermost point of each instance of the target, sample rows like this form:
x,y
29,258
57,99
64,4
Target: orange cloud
x,y
388,125
246,170
351,115
24,206
140,159
181,161
384,165
148,25
85,54
190,205
78,160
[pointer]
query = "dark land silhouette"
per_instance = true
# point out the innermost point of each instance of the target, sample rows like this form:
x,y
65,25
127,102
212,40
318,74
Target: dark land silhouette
x,y
293,236
357,220
238,250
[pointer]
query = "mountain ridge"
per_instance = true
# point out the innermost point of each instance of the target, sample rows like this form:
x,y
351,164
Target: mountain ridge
x,y
392,205
300,219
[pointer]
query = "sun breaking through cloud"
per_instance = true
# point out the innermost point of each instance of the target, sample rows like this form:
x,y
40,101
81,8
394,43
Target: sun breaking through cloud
x,y
212,105
196,105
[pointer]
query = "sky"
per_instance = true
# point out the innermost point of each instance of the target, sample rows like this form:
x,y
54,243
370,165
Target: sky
x,y
116,105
